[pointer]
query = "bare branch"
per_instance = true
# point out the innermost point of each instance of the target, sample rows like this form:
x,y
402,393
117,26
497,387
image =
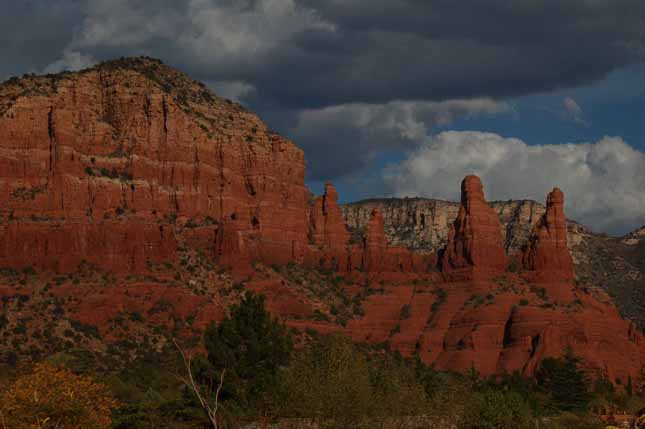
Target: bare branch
x,y
202,397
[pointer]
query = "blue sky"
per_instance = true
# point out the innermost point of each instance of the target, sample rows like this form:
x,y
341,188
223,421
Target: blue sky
x,y
613,106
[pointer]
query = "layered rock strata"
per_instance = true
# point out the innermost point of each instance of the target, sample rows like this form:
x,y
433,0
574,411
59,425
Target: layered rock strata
x,y
422,224
110,164
129,164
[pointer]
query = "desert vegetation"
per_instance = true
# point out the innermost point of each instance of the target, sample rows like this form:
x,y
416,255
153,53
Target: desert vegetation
x,y
249,374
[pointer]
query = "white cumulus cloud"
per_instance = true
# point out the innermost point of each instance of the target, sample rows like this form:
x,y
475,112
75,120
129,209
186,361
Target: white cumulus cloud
x,y
219,38
603,182
343,139
71,61
233,89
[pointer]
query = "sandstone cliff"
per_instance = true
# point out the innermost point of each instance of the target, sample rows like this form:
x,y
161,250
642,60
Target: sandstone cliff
x,y
110,164
136,204
422,224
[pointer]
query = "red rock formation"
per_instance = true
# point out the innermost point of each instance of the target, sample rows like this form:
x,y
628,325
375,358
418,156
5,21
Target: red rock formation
x,y
375,246
109,164
375,234
327,225
130,164
498,330
232,246
475,249
380,257
328,236
547,253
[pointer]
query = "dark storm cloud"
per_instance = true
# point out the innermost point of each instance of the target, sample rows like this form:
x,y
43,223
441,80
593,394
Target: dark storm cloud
x,y
444,49
318,53
34,33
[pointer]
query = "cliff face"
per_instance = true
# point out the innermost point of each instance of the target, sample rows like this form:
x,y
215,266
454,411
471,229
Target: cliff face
x,y
331,247
423,224
152,205
416,223
109,165
612,264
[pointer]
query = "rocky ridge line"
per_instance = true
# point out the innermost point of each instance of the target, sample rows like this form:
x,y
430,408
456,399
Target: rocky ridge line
x,y
126,166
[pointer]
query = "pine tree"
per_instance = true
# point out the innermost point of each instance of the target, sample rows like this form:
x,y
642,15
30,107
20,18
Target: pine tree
x,y
566,383
251,346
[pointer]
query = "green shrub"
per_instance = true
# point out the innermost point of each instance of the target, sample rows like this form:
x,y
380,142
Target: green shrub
x,y
160,306
565,382
436,305
319,316
88,330
512,266
395,330
20,329
406,312
496,409
29,271
334,385
3,321
540,292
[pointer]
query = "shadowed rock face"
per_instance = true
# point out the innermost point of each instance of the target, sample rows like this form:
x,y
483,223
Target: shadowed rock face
x,y
131,165
475,247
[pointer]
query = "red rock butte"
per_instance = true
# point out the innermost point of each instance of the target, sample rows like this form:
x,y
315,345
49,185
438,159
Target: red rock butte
x,y
125,164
